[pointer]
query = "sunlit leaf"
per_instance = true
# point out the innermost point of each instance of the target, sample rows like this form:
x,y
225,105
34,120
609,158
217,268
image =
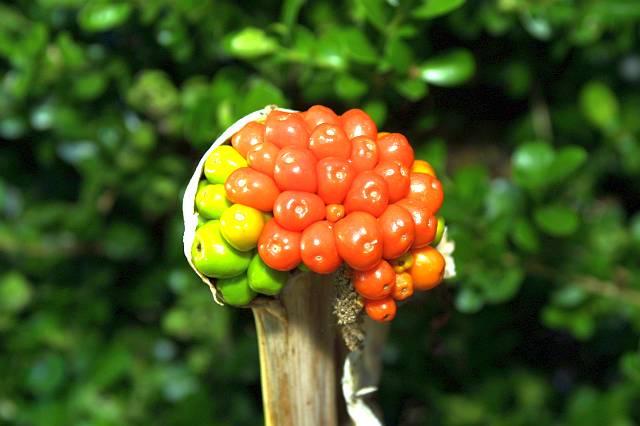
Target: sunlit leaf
x,y
251,43
433,8
448,69
100,15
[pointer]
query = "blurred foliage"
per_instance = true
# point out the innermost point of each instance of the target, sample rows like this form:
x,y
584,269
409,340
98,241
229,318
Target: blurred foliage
x,y
105,106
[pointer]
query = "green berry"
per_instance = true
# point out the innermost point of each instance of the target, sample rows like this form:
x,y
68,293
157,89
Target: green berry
x,y
236,291
263,279
213,256
222,162
211,201
439,232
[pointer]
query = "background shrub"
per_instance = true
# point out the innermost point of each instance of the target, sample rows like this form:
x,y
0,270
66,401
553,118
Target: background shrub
x,y
528,109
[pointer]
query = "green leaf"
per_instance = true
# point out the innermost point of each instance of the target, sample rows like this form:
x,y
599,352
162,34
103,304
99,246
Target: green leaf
x,y
77,153
358,46
434,151
154,93
503,285
250,43
89,85
469,181
176,323
12,127
102,15
448,69
468,301
47,374
376,12
15,292
377,110
525,236
412,89
350,88
581,323
557,220
72,53
567,160
290,10
634,229
569,296
303,45
260,93
330,52
433,8
398,55
538,26
599,104
630,365
503,201
531,163
112,366
123,241
629,149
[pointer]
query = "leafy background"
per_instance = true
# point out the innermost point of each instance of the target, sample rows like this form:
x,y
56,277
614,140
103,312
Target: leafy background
x,y
528,109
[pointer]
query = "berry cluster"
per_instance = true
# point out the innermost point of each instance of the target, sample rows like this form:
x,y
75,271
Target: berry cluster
x,y
314,190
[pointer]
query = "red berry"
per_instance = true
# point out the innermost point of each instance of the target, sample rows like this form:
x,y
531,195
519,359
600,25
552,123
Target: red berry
x,y
398,231
397,177
262,157
427,190
368,193
335,177
396,147
328,140
251,188
376,283
318,248
250,135
358,240
383,310
364,153
319,114
358,123
286,129
295,170
295,210
278,247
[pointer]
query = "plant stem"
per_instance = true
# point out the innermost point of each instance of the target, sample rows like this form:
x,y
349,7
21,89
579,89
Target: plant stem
x,y
298,357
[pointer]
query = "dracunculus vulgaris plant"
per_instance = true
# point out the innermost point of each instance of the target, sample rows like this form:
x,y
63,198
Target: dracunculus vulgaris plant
x,y
316,215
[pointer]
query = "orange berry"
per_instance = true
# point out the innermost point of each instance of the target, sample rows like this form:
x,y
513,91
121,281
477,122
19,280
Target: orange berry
x,y
335,212
428,268
404,286
421,166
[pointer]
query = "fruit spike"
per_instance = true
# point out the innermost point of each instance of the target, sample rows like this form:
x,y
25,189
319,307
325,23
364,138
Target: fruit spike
x,y
314,190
